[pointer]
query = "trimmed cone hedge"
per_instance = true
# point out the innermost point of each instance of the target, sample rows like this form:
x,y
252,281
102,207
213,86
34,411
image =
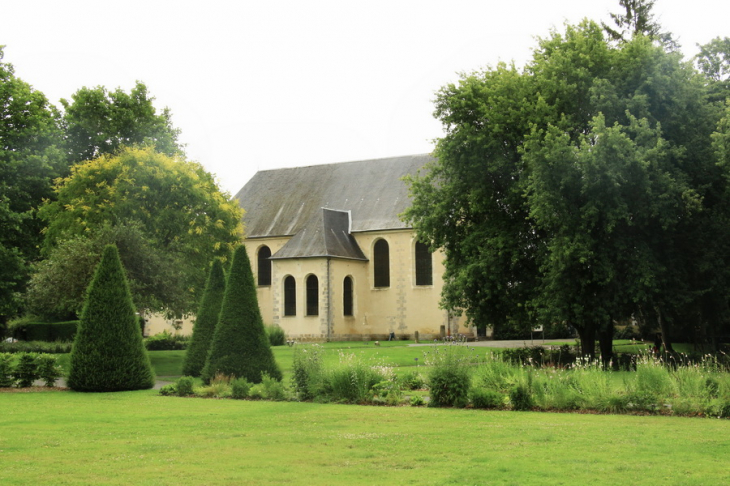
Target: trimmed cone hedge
x,y
205,322
108,353
240,346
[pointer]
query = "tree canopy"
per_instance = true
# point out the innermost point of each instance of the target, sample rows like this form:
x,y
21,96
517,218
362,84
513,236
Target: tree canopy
x,y
29,159
98,122
584,188
176,203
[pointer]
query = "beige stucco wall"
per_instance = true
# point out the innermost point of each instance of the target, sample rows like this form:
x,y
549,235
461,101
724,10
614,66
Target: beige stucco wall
x,y
157,323
401,308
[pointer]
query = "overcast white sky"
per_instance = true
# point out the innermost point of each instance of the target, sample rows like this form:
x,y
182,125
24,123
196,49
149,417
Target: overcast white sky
x,y
266,84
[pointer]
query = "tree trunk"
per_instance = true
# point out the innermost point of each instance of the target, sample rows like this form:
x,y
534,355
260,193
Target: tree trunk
x,y
664,327
605,342
587,334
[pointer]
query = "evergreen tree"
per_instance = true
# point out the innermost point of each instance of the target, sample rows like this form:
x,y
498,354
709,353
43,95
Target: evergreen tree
x,y
240,346
108,353
207,318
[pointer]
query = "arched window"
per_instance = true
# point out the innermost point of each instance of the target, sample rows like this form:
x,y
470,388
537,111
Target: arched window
x,y
312,296
381,264
347,296
424,267
264,265
290,296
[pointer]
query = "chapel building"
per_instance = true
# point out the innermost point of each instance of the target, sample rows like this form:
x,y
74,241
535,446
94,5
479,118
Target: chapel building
x,y
333,260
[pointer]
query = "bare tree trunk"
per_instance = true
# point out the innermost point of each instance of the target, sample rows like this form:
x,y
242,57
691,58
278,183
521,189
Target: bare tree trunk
x,y
587,335
605,342
664,327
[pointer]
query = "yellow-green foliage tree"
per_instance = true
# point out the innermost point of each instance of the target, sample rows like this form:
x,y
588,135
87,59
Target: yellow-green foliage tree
x,y
178,205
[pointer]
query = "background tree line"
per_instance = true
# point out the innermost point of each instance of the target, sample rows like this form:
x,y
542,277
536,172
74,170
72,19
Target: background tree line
x,y
588,187
105,168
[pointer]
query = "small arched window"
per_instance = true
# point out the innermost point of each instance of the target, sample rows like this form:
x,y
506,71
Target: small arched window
x,y
347,296
424,266
381,264
312,296
290,296
264,265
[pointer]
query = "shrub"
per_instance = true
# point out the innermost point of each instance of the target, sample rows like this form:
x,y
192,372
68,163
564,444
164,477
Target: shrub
x,y
205,321
481,398
521,398
165,341
412,380
219,387
307,366
108,353
240,388
277,336
168,390
352,380
272,388
449,379
184,386
56,347
26,370
31,330
48,369
240,346
6,370
417,401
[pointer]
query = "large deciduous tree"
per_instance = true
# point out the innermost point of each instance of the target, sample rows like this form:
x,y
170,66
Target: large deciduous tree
x,y
99,122
57,287
583,188
176,203
29,160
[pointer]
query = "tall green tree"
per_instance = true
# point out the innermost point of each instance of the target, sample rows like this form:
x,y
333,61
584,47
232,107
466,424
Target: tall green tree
x,y
205,321
176,203
108,353
57,288
469,201
582,189
29,161
637,18
99,122
240,346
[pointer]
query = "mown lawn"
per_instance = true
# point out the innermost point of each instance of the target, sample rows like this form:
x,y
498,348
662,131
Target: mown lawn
x,y
142,438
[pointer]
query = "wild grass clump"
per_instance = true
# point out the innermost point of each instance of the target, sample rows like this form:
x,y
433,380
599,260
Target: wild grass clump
x,y
450,376
352,380
308,378
277,336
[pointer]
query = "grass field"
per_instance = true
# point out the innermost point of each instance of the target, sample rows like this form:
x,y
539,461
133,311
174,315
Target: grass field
x,y
142,438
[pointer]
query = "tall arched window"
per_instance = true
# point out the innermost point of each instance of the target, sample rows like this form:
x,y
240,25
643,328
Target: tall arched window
x,y
347,296
424,267
264,265
381,264
290,296
312,296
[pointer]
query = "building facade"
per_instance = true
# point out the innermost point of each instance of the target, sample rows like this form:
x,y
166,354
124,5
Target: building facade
x,y
333,260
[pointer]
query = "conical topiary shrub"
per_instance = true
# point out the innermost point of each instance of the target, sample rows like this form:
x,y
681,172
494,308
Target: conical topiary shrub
x,y
205,321
108,353
240,346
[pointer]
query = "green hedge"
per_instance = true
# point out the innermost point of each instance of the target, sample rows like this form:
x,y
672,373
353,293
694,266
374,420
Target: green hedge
x,y
45,331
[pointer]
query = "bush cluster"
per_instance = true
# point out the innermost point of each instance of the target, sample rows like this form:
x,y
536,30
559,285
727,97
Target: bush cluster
x,y
222,386
450,377
31,330
56,347
277,336
23,369
166,342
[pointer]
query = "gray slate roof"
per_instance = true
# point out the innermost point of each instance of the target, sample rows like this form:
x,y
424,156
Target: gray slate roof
x,y
327,234
281,202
